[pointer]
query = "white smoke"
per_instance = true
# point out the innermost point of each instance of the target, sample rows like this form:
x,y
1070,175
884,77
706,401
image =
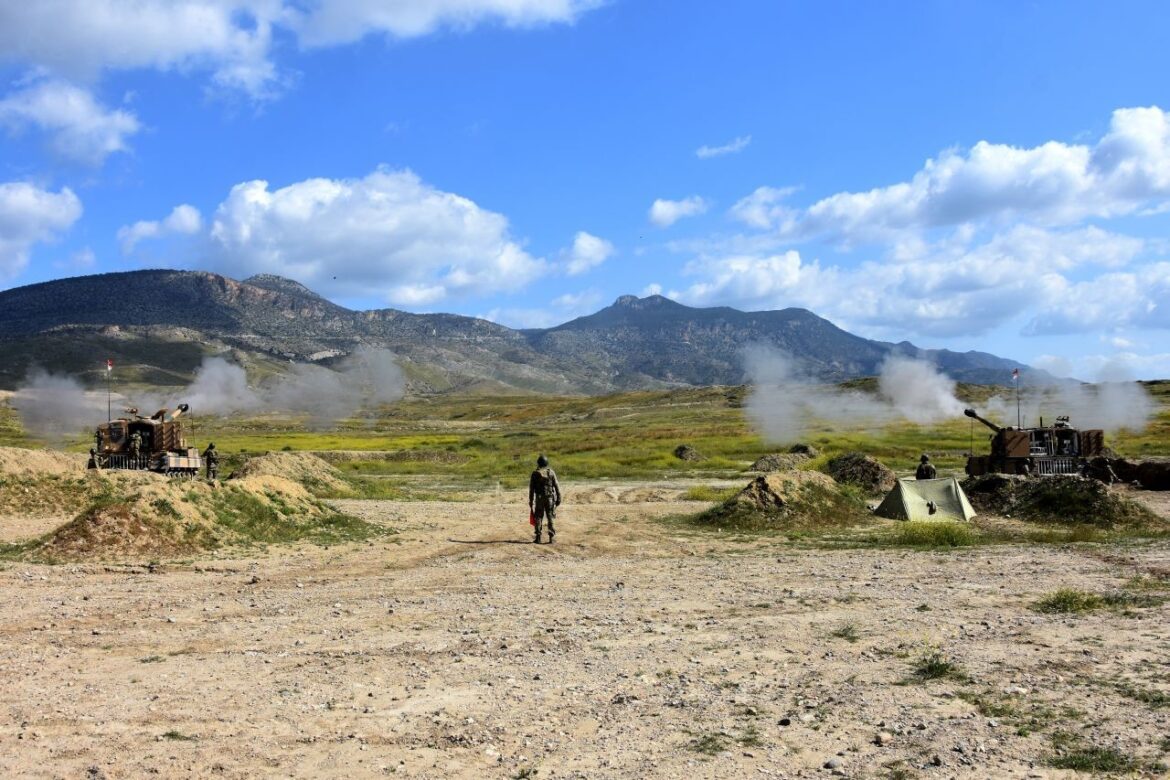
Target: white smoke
x,y
786,401
55,407
363,380
1115,403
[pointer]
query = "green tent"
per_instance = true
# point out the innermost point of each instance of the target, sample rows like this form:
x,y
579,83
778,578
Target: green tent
x,y
926,499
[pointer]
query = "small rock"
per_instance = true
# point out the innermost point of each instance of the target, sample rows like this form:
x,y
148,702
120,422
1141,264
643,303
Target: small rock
x,y
883,738
833,763
786,721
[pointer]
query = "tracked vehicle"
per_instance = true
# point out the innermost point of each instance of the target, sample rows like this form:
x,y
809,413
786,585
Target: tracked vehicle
x,y
159,439
1055,449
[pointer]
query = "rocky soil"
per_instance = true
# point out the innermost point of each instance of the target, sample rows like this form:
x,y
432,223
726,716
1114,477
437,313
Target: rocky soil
x,y
631,648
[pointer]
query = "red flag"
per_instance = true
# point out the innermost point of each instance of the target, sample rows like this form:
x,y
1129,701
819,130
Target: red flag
x,y
531,518
109,364
1015,374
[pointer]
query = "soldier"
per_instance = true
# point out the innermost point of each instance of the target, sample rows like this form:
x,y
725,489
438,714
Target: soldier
x,y
211,460
926,469
135,449
544,496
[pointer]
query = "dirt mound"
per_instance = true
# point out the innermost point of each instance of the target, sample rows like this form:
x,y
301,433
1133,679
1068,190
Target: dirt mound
x,y
778,462
117,531
790,499
1055,499
19,462
617,495
687,452
860,470
1153,474
804,449
307,469
135,514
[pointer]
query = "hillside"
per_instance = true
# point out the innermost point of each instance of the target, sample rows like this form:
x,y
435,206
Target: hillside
x,y
158,325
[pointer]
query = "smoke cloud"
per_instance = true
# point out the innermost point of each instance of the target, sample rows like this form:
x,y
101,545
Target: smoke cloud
x,y
786,401
1114,405
54,407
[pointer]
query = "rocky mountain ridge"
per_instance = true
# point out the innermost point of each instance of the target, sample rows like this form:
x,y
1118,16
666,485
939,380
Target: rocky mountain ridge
x,y
163,322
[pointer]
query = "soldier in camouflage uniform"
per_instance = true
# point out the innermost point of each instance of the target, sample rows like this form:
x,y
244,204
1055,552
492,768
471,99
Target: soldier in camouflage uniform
x,y
544,496
135,450
925,469
211,461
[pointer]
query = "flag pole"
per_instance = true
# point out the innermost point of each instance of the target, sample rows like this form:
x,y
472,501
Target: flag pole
x,y
109,408
1016,377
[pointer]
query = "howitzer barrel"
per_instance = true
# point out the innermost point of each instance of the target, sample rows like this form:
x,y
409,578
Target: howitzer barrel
x,y
973,415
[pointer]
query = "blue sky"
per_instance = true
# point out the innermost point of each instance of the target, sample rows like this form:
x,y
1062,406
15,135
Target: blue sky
x,y
970,175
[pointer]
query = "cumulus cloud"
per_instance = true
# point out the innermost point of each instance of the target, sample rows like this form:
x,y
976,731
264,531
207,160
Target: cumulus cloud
x,y
82,38
31,215
1051,184
588,252
1132,299
79,128
183,220
387,234
762,209
233,39
957,286
738,145
665,213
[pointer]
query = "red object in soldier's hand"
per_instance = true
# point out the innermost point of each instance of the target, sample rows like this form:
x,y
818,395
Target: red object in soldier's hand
x,y
531,517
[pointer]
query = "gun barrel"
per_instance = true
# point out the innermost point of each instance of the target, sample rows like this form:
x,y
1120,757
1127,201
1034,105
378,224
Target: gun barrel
x,y
973,415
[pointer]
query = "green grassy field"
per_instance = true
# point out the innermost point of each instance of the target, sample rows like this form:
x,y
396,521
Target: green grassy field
x,y
629,435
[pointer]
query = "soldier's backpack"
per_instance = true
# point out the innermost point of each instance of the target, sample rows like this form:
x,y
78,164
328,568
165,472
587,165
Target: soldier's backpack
x,y
545,486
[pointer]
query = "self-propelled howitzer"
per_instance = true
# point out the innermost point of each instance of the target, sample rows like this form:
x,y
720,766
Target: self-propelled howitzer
x,y
153,443
1056,449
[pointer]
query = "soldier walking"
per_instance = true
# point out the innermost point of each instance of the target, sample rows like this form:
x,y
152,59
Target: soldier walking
x,y
544,496
211,461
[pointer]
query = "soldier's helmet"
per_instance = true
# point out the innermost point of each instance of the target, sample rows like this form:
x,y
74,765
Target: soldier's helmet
x,y
925,458
211,445
541,462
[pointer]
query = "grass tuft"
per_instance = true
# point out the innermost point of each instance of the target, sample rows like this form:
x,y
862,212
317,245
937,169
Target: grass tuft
x,y
1069,601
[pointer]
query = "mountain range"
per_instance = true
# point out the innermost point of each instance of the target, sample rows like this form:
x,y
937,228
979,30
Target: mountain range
x,y
158,325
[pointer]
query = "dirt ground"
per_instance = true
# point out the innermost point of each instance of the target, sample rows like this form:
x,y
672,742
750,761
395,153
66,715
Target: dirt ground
x,y
631,648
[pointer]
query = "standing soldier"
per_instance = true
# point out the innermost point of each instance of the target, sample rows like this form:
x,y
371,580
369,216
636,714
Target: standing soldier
x,y
135,450
544,496
211,459
926,469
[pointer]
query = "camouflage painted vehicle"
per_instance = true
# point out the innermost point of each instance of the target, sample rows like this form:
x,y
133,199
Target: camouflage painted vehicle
x,y
152,443
1056,449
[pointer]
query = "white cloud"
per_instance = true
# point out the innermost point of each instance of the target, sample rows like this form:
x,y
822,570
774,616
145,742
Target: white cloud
x,y
761,209
79,128
665,213
81,260
387,234
331,23
588,251
652,289
183,220
1052,184
1139,298
82,38
738,145
233,39
560,309
30,215
953,287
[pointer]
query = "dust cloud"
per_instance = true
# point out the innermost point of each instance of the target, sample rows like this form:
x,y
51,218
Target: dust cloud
x,y
786,401
54,407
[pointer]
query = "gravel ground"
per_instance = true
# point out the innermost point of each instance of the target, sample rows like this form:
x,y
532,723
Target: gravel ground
x,y
631,648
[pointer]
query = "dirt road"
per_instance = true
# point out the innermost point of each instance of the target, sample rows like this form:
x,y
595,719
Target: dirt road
x,y
631,648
